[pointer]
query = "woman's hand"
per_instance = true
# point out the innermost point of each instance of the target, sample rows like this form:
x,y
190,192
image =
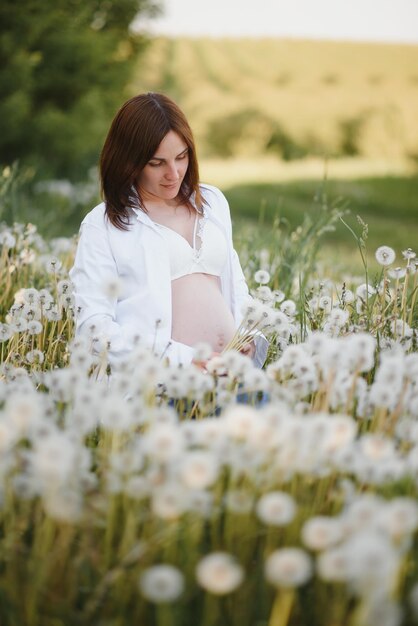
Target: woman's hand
x,y
202,364
248,349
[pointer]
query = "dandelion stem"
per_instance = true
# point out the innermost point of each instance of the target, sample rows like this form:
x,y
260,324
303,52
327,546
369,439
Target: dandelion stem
x,y
282,607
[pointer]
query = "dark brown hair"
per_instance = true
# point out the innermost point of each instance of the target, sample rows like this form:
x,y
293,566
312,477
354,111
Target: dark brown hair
x,y
134,136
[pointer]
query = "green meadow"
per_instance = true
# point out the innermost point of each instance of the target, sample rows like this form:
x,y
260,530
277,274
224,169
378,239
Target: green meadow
x,y
283,126
285,129
290,98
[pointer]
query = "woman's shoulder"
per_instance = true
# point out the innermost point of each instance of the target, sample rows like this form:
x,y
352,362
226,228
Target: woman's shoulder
x,y
214,197
96,217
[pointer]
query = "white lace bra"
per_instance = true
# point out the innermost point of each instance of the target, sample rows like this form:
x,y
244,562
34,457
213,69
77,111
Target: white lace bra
x,y
207,257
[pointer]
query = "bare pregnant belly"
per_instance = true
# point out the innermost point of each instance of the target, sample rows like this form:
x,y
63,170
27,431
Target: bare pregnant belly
x,y
200,312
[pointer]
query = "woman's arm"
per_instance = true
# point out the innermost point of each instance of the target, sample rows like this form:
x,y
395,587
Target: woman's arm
x,y
93,273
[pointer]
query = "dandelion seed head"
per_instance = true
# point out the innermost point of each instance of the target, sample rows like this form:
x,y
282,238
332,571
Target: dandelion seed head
x,y
321,532
34,327
288,307
372,561
276,508
219,573
53,265
31,296
339,316
347,297
239,421
262,277
169,501
408,254
332,565
35,356
7,240
364,291
288,567
164,442
198,469
6,332
399,517
264,294
161,583
385,255
397,273
325,303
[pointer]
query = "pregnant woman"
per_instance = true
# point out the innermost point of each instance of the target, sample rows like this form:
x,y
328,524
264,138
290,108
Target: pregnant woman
x,y
155,261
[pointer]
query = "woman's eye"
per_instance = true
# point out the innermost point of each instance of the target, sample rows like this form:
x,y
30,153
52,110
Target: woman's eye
x,y
154,164
183,156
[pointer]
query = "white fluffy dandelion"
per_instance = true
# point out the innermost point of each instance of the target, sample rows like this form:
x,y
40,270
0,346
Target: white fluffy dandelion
x,y
276,508
161,583
240,421
64,287
347,296
198,469
408,254
35,356
338,316
288,307
164,442
53,265
34,327
399,517
321,532
31,295
6,332
219,573
332,565
169,501
7,240
288,567
397,273
325,303
385,255
262,277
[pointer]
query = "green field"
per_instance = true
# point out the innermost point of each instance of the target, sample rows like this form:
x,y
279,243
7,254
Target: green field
x,y
346,112
267,114
301,96
392,220
264,189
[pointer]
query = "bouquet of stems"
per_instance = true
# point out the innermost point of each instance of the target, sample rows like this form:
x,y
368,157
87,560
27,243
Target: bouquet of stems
x,y
259,319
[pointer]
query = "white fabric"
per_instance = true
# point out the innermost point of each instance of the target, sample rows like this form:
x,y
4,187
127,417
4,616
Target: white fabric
x,y
138,258
207,256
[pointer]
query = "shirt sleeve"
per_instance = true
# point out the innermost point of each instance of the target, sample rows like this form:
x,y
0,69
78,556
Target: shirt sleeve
x,y
92,274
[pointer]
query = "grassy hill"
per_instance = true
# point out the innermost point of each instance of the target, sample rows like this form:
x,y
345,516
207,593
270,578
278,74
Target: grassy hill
x,y
267,112
290,97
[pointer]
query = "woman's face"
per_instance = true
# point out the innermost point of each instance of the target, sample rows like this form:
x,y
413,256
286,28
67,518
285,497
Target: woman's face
x,y
162,176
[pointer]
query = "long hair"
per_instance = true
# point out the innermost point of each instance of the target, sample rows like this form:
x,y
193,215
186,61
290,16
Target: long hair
x,y
133,138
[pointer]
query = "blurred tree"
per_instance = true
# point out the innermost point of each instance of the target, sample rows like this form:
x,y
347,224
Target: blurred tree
x,y
64,67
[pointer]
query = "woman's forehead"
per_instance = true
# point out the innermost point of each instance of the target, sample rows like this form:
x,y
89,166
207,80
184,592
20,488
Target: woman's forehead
x,y
173,143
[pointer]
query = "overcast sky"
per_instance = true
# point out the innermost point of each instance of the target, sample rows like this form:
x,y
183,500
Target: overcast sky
x,y
367,20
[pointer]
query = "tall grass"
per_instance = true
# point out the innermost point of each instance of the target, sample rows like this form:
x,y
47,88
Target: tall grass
x,y
172,497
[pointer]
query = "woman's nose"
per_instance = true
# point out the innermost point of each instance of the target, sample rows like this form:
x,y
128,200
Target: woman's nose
x,y
172,172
